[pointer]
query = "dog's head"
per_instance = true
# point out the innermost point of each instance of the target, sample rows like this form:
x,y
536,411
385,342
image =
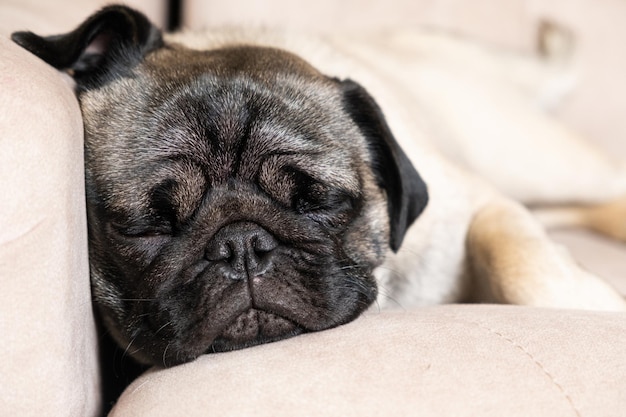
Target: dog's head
x,y
235,196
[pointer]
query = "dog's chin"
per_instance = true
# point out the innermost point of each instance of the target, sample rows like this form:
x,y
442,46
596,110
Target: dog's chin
x,y
254,327
250,328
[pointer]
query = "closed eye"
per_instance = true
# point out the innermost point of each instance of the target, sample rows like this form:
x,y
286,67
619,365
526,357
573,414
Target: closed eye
x,y
141,231
302,193
321,200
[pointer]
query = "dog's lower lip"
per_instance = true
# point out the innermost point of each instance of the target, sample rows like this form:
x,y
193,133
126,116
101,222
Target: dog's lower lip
x,y
254,327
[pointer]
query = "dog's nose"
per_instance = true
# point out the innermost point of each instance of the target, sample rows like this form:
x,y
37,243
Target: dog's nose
x,y
246,248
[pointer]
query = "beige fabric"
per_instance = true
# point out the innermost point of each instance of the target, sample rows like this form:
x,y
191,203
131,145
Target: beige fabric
x,y
512,28
60,16
596,24
441,361
49,365
48,338
605,257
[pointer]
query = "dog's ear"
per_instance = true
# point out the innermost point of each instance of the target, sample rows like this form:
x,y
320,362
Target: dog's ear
x,y
407,194
103,47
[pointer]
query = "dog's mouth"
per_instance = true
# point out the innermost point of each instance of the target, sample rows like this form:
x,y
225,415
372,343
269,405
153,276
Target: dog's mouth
x,y
207,314
254,327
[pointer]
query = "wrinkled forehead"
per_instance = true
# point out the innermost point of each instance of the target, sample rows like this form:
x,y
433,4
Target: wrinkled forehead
x,y
229,111
237,125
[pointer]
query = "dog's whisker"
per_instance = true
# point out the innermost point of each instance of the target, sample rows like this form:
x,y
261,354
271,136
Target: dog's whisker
x,y
165,354
162,327
377,304
385,294
126,351
382,291
352,267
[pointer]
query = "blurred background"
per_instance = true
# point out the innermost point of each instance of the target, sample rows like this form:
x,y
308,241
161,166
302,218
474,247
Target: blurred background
x,y
596,108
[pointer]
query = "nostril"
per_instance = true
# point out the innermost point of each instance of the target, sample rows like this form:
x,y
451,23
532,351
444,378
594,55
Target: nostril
x,y
219,251
263,243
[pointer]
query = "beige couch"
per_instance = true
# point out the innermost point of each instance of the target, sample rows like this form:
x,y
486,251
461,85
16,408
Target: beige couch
x,y
455,360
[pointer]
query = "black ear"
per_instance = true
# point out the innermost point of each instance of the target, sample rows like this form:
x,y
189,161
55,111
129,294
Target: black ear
x,y
104,46
407,195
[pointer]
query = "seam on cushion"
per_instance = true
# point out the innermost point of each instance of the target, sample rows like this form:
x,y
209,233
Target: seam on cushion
x,y
9,239
526,352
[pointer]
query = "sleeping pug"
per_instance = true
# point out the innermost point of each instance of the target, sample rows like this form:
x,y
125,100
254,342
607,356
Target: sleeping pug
x,y
241,189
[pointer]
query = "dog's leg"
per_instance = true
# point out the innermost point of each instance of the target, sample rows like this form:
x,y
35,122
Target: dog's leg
x,y
608,219
513,261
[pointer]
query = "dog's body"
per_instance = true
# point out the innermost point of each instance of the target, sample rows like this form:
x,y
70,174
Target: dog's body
x,y
212,161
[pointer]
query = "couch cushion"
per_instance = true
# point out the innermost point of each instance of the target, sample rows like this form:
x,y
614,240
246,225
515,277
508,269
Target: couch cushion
x,y
48,344
60,16
441,361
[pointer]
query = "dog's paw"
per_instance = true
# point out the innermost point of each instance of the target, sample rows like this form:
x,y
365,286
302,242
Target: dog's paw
x,y
608,219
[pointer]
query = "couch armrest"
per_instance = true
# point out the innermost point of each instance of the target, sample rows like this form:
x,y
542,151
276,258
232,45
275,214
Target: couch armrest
x,y
48,347
440,361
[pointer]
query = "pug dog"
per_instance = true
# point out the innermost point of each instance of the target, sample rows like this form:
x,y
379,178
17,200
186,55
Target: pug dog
x,y
248,186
